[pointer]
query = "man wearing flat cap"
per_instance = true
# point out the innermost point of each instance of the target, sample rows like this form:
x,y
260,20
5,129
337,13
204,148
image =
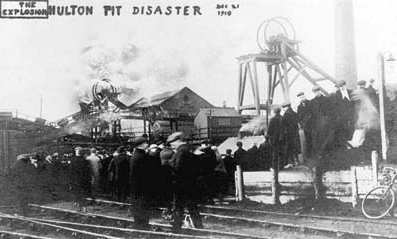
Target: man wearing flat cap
x,y
318,107
304,118
343,114
80,175
120,167
25,175
290,124
373,93
139,178
186,183
274,134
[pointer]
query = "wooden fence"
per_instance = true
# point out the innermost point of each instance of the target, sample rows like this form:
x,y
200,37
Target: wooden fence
x,y
347,185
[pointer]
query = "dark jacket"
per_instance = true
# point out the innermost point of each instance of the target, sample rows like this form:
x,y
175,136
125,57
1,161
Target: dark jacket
x,y
275,130
304,113
239,156
186,173
80,173
291,131
121,168
139,174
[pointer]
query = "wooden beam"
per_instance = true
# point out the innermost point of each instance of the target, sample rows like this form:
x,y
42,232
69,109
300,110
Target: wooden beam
x,y
297,75
253,107
281,79
240,78
306,61
257,98
251,79
243,84
305,74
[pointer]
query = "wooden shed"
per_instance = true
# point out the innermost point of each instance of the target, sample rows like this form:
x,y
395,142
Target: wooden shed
x,y
170,111
217,124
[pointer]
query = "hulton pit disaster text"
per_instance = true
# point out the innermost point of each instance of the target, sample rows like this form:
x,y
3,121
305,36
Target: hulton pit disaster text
x,y
107,10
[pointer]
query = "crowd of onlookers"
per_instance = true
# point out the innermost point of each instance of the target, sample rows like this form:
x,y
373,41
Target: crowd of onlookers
x,y
171,174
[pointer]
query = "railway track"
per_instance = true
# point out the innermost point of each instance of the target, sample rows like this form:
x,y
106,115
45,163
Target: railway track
x,y
331,226
106,223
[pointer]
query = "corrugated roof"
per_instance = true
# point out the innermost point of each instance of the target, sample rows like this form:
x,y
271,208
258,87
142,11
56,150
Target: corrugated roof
x,y
154,100
221,112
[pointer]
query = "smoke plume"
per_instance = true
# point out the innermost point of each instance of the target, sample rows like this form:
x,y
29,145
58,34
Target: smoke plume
x,y
135,72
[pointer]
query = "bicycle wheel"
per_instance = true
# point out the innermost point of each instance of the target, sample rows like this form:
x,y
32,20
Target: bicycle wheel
x,y
378,202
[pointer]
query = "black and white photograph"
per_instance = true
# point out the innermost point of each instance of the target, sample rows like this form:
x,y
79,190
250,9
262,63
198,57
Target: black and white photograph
x,y
223,119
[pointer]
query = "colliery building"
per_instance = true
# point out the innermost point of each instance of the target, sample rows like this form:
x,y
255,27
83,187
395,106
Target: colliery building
x,y
157,116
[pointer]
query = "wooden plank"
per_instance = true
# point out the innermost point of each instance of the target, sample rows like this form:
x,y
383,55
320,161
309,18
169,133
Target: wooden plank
x,y
248,65
257,98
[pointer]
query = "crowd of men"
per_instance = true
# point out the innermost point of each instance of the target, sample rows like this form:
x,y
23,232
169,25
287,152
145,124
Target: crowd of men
x,y
171,174
328,122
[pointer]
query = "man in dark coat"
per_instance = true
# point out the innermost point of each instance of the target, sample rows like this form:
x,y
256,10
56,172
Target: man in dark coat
x,y
24,175
230,165
274,134
120,168
186,183
318,119
291,135
208,163
304,118
139,176
80,175
343,114
240,155
372,93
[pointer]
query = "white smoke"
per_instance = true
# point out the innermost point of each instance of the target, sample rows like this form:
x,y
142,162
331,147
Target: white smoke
x,y
135,73
256,125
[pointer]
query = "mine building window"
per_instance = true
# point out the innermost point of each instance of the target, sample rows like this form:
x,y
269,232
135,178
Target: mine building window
x,y
224,121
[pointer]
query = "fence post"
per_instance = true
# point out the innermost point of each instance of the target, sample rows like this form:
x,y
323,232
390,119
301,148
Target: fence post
x,y
354,186
239,184
374,159
275,186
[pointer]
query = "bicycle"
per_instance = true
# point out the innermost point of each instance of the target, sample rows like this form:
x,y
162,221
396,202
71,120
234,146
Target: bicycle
x,y
379,201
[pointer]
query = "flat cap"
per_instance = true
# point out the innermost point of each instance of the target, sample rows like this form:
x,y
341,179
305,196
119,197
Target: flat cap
x,y
174,137
300,94
120,149
362,83
316,88
340,83
78,148
140,140
286,104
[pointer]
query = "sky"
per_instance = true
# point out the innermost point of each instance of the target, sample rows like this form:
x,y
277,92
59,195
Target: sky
x,y
57,60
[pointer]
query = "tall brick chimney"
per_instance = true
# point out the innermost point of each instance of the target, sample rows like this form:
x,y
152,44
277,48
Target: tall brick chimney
x,y
345,50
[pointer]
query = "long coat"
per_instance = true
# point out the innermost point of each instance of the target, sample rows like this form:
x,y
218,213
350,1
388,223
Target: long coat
x,y
186,174
80,175
291,132
274,131
139,174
